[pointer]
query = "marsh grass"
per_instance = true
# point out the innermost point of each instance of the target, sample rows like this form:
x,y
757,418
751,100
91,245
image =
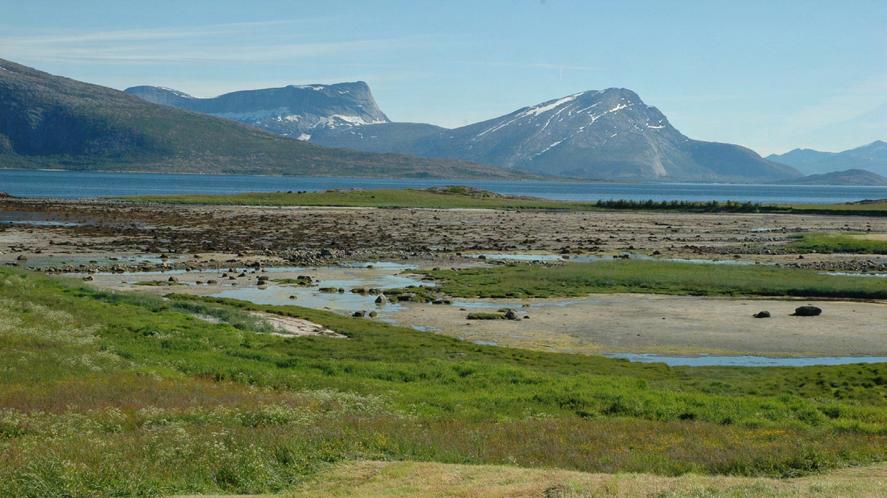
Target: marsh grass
x,y
861,243
108,393
656,277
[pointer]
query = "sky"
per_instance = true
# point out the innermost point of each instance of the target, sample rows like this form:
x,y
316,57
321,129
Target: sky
x,y
771,75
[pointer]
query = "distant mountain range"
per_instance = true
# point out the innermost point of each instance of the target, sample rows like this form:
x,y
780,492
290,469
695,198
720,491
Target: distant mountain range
x,y
48,121
847,177
51,121
871,157
608,134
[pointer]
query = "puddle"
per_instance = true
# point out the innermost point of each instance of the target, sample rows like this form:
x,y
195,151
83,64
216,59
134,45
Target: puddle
x,y
590,258
40,223
746,361
854,274
345,302
485,343
379,265
342,302
514,257
33,218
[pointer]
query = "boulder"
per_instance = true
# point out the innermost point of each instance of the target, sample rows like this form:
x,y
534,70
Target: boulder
x,y
807,311
762,314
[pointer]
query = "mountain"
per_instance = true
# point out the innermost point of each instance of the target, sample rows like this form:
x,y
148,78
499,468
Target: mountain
x,y
50,121
292,111
871,157
846,177
606,134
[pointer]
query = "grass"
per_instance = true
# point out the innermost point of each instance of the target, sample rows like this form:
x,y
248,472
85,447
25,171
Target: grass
x,y
443,198
658,277
125,394
840,243
458,197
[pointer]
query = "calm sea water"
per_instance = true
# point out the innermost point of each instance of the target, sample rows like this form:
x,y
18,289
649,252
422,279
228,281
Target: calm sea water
x,y
73,184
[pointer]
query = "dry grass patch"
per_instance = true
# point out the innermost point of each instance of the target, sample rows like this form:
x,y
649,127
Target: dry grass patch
x,y
414,479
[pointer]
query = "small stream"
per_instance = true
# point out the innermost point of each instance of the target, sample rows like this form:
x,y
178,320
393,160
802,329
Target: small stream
x,y
746,360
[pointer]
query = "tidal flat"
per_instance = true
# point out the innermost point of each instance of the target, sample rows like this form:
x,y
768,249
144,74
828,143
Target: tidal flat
x,y
191,349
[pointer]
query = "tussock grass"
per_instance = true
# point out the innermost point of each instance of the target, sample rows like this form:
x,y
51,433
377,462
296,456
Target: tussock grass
x,y
657,277
107,393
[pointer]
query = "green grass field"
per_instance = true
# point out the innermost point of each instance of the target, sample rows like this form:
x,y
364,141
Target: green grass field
x,y
456,197
841,242
447,198
133,395
657,277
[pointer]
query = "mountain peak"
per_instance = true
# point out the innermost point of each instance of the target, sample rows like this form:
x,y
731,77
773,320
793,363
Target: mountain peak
x,y
294,110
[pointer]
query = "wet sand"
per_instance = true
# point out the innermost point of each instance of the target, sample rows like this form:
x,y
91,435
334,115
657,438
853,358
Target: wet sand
x,y
643,323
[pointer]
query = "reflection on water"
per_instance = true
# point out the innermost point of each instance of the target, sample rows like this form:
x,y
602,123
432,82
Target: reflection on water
x,y
746,361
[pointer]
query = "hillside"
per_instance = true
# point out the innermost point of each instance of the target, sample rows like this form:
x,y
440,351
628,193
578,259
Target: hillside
x,y
48,121
871,157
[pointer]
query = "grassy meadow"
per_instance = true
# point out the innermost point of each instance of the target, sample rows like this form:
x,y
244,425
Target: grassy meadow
x,y
657,277
125,394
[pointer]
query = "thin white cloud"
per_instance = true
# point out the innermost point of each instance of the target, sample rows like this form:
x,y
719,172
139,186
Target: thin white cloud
x,y
253,42
149,34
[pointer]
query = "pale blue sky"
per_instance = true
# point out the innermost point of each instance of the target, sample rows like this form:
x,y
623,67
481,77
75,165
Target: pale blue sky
x,y
772,75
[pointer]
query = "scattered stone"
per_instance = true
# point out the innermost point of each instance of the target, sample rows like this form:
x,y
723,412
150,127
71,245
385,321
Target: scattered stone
x,y
762,314
359,314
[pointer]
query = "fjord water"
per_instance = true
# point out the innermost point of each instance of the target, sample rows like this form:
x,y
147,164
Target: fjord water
x,y
78,184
